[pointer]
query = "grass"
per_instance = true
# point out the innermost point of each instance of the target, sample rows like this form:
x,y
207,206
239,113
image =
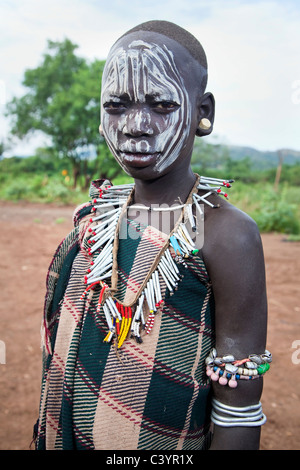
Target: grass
x,y
273,211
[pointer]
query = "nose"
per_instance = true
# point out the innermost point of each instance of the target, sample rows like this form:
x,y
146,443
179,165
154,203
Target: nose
x,y
137,123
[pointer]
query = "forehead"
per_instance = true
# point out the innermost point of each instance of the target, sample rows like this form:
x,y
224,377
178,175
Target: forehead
x,y
142,67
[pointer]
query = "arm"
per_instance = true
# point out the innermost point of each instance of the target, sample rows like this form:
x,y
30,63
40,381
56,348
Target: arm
x,y
234,258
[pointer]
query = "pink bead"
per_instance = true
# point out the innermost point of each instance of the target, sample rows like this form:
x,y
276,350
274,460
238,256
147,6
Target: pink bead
x,y
222,381
209,372
214,377
232,383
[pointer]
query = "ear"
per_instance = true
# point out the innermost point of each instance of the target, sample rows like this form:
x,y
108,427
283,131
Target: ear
x,y
206,109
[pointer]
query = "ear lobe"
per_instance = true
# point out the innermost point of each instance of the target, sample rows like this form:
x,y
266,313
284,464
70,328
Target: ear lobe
x,y
206,114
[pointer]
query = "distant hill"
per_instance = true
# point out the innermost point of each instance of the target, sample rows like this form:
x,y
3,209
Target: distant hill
x,y
263,160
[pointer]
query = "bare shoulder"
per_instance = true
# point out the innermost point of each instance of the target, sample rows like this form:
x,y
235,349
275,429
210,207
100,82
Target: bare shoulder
x,y
229,233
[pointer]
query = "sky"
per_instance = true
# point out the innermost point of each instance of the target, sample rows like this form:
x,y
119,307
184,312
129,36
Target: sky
x,y
252,46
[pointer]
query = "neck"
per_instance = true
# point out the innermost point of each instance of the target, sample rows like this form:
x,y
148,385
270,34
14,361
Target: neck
x,y
171,188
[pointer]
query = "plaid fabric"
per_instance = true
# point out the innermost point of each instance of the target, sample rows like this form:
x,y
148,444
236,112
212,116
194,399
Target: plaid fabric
x,y
153,395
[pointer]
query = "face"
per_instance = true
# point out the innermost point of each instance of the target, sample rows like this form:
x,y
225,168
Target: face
x,y
147,111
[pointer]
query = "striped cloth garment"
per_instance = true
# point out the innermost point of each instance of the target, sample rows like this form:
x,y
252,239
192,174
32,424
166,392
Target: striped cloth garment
x,y
153,395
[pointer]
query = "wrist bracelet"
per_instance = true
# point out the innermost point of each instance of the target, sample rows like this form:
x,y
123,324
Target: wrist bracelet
x,y
227,370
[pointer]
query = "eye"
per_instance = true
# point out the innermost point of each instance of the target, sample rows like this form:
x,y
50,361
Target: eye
x,y
114,107
165,106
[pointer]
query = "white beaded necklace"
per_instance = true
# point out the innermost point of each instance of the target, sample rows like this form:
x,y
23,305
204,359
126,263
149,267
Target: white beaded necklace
x,y
120,320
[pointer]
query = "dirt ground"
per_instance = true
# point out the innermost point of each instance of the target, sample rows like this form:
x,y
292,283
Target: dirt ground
x,y
28,238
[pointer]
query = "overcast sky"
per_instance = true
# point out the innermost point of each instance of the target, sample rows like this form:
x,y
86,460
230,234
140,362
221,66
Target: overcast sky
x,y
253,50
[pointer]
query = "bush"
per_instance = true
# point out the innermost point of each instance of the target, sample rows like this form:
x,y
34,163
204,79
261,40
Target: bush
x,y
14,191
277,215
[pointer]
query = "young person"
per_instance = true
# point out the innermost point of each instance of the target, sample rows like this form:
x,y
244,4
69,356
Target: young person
x,y
156,310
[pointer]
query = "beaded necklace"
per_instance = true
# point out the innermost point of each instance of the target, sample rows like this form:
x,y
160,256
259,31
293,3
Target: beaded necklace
x,y
109,209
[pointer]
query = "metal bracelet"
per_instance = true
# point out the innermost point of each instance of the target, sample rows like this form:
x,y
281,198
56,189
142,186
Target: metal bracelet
x,y
239,416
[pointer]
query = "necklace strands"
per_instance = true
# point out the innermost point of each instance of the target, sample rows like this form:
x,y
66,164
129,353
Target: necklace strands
x,y
108,208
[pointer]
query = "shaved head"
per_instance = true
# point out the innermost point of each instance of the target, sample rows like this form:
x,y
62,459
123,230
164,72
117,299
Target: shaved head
x,y
178,34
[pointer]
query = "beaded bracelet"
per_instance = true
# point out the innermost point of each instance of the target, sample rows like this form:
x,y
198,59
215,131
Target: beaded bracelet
x,y
227,370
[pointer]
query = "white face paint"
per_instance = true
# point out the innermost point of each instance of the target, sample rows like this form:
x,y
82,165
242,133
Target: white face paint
x,y
137,81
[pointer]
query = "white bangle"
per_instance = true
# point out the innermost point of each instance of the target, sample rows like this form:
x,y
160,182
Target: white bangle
x,y
238,416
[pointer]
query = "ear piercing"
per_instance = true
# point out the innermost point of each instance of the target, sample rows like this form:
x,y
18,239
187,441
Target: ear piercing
x,y
205,124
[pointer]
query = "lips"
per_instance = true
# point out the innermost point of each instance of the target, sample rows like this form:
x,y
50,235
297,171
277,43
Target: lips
x,y
138,159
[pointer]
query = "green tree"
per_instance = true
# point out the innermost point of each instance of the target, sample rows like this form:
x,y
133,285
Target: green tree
x,y
240,169
63,101
207,155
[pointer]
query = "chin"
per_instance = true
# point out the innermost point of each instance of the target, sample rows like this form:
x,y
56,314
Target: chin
x,y
144,174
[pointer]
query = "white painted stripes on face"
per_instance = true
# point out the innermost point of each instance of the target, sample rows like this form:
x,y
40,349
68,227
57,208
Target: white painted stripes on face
x,y
140,71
